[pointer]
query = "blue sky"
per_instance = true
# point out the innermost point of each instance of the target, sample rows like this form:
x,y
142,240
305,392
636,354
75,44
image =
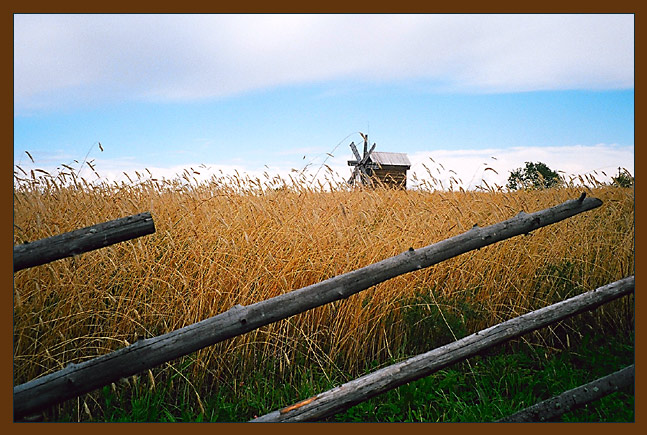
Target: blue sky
x,y
258,92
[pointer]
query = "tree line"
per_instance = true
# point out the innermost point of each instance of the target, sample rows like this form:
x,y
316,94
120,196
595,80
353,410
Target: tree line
x,y
539,176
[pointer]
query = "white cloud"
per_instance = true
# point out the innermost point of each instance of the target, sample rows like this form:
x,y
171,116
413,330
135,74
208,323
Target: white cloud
x,y
173,57
470,167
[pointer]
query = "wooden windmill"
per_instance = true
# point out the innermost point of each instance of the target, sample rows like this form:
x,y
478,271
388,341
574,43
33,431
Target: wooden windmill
x,y
387,168
362,163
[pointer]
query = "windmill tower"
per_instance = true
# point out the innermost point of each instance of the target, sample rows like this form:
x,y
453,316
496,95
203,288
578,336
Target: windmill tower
x,y
384,167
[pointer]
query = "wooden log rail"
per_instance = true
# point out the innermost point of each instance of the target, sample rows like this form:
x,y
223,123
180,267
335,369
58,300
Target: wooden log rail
x,y
77,379
351,393
575,398
82,240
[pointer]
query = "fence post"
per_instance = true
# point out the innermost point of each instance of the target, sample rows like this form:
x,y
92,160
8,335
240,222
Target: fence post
x,y
575,398
82,240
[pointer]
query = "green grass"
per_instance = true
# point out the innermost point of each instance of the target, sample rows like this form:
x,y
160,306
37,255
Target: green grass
x,y
493,387
485,388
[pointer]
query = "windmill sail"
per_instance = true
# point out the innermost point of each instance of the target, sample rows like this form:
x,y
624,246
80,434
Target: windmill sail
x,y
362,163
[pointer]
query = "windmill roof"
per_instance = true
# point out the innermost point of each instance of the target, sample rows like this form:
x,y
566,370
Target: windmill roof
x,y
390,159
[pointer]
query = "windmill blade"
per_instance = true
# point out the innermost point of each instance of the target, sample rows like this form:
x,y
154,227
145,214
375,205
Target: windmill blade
x,y
361,165
371,150
363,170
366,177
367,155
354,149
353,176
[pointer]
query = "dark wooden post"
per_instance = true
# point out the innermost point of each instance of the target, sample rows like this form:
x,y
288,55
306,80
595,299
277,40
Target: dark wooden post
x,y
575,398
82,240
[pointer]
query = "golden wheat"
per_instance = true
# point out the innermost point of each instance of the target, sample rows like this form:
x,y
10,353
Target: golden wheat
x,y
235,240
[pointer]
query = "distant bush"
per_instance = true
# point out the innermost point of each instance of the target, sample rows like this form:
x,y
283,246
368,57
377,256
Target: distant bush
x,y
533,176
624,179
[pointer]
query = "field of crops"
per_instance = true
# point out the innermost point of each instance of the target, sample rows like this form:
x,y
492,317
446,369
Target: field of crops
x,y
235,241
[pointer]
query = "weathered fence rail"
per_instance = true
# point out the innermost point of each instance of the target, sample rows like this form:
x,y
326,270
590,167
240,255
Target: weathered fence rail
x,y
575,398
351,393
77,379
82,240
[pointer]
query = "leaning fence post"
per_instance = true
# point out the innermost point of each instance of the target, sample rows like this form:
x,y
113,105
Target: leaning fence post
x,y
82,240
575,398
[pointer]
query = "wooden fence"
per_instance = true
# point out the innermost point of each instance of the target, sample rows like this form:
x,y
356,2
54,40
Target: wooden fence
x,y
576,397
340,398
77,379
83,240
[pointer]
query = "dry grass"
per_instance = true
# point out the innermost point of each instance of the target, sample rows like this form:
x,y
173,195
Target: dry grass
x,y
238,241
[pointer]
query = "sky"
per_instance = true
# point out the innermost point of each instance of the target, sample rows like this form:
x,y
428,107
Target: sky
x,y
469,96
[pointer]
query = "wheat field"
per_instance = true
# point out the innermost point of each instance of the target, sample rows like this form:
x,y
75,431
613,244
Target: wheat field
x,y
235,240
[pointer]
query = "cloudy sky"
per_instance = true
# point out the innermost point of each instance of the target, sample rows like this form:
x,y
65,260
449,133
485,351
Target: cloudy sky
x,y
272,93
